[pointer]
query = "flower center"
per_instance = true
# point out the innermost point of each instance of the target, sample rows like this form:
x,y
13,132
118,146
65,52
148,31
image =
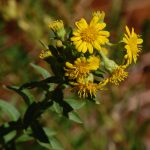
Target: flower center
x,y
83,68
88,34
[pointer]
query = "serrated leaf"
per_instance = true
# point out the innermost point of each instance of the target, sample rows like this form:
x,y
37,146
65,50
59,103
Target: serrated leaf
x,y
10,110
75,117
74,103
41,71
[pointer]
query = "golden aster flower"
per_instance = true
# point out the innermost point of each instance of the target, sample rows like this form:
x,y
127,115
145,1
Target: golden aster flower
x,y
45,53
118,75
56,25
81,67
87,89
78,70
133,47
87,37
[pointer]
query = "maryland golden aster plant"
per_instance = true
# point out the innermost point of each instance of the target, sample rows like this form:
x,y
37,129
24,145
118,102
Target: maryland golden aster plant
x,y
78,58
81,57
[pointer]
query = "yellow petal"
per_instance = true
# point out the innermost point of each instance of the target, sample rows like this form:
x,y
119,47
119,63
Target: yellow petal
x,y
81,24
96,45
94,21
75,38
101,26
128,31
69,65
84,47
90,48
139,41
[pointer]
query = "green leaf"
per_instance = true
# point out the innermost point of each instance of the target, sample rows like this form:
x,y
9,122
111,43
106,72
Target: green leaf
x,y
75,117
56,145
41,71
29,94
49,132
10,110
99,73
9,136
24,138
74,103
58,109
45,145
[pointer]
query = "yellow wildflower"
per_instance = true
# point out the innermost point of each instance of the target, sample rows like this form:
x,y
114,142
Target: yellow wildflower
x,y
45,53
77,70
81,67
118,75
56,25
133,47
87,89
87,37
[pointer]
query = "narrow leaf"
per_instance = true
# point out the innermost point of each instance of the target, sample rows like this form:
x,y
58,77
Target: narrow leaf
x,y
75,104
41,71
56,145
75,117
10,110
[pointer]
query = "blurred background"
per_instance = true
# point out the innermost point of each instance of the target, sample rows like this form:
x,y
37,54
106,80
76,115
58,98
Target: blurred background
x,y
122,120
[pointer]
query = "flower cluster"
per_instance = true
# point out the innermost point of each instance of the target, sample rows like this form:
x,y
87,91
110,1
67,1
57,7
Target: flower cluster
x,y
79,56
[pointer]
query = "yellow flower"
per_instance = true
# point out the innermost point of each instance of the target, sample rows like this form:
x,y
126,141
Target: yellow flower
x,y
56,25
118,75
45,53
77,70
133,47
87,89
81,67
87,37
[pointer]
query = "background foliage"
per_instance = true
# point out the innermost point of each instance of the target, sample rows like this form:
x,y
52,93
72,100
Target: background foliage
x,y
121,121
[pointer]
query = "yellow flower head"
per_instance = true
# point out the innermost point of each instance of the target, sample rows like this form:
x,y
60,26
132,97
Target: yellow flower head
x,y
81,67
133,47
118,75
77,70
45,53
87,37
85,90
56,25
